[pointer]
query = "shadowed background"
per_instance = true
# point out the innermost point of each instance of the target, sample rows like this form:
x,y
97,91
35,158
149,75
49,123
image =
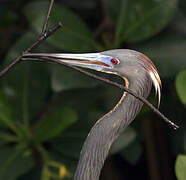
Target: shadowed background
x,y
47,110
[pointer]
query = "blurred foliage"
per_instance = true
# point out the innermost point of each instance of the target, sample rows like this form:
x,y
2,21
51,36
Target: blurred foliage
x,y
47,110
75,35
139,20
180,167
181,86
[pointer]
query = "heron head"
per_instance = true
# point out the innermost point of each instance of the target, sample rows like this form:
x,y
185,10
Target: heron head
x,y
126,63
134,65
123,62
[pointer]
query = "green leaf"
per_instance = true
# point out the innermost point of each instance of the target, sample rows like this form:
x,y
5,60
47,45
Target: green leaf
x,y
74,35
167,52
118,10
181,86
13,163
123,140
6,118
45,173
65,79
139,20
180,167
70,143
62,161
55,123
21,44
5,112
27,83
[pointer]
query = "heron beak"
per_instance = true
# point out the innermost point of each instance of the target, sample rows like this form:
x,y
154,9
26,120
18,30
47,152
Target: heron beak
x,y
95,61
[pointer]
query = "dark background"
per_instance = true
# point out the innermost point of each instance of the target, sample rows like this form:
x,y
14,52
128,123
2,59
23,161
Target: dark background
x,y
47,110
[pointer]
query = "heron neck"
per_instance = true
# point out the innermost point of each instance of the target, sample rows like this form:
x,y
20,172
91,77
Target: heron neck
x,y
106,130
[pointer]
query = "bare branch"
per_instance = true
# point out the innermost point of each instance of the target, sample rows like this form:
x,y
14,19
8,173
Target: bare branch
x,y
44,35
5,70
47,17
142,99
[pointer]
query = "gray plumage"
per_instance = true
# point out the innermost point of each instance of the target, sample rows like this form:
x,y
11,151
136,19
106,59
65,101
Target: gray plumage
x,y
138,73
110,126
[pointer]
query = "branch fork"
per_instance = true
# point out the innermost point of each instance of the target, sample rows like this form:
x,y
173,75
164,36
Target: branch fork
x,y
45,34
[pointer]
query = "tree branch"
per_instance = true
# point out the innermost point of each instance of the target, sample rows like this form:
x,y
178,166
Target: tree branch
x,y
47,17
142,99
43,36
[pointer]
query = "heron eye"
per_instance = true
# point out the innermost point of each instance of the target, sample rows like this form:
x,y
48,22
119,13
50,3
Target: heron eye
x,y
114,61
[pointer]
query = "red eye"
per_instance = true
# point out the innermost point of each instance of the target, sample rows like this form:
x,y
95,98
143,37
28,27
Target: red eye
x,y
114,61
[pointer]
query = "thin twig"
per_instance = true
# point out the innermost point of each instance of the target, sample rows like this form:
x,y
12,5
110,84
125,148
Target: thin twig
x,y
142,99
47,17
5,70
35,44
44,35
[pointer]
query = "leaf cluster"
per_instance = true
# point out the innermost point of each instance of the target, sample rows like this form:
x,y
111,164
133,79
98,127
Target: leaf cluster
x,y
47,110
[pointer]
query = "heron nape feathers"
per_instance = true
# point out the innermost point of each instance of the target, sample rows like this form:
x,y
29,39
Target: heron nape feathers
x,y
139,73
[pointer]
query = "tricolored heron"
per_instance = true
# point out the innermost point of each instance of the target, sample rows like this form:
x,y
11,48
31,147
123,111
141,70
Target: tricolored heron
x,y
139,73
